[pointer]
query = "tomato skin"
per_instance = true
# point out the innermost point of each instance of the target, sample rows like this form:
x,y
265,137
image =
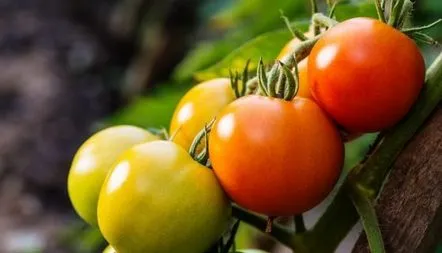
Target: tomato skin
x,y
198,107
365,74
158,199
275,157
92,162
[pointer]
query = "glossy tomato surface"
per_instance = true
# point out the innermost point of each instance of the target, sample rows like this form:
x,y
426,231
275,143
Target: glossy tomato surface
x,y
275,157
158,199
197,108
365,74
92,162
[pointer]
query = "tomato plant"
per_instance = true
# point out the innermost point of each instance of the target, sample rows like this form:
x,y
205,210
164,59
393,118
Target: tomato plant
x,y
268,154
198,106
92,162
158,199
365,74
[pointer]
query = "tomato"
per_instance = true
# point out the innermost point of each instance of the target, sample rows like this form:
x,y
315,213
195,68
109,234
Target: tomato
x,y
365,74
198,107
109,249
158,199
93,161
304,89
275,157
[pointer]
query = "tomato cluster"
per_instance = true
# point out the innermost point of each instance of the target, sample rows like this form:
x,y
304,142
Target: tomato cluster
x,y
275,154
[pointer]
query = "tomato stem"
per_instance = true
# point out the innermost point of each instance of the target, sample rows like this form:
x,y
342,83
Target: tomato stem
x,y
366,211
293,30
323,21
422,28
314,7
395,12
380,10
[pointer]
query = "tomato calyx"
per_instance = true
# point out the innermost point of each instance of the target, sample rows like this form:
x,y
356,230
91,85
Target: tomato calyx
x,y
238,81
281,83
201,157
400,13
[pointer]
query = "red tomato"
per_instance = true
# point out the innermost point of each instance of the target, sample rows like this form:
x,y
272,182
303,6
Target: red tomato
x,y
365,74
275,157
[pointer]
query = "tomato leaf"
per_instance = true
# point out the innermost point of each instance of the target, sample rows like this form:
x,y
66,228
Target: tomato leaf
x,y
239,23
266,46
358,9
153,111
366,211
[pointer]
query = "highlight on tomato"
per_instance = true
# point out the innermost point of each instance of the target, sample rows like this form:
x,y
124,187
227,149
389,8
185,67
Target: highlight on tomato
x,y
158,199
199,106
92,162
365,74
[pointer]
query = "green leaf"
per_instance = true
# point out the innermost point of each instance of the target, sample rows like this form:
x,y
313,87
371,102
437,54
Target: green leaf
x,y
244,21
154,110
358,9
366,211
267,46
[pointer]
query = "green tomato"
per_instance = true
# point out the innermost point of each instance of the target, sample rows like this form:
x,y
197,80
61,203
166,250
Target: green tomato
x,y
158,199
93,161
109,249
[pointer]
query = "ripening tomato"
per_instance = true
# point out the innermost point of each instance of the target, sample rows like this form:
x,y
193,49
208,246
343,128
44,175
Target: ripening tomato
x,y
198,107
93,161
158,199
275,157
365,74
304,89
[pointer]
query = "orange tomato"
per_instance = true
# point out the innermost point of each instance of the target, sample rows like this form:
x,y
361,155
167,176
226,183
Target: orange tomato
x,y
365,74
198,107
275,157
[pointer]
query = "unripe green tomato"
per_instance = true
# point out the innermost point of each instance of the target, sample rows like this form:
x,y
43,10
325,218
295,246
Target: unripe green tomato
x,y
157,199
109,249
198,107
93,161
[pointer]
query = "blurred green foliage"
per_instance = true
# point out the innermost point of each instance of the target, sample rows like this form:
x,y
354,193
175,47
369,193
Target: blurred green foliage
x,y
239,23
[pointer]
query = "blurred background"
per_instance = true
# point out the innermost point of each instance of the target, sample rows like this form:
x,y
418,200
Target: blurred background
x,y
71,67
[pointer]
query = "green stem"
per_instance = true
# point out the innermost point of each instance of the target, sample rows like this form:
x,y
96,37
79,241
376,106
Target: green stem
x,y
422,28
395,12
281,233
322,20
366,211
380,10
294,31
314,7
